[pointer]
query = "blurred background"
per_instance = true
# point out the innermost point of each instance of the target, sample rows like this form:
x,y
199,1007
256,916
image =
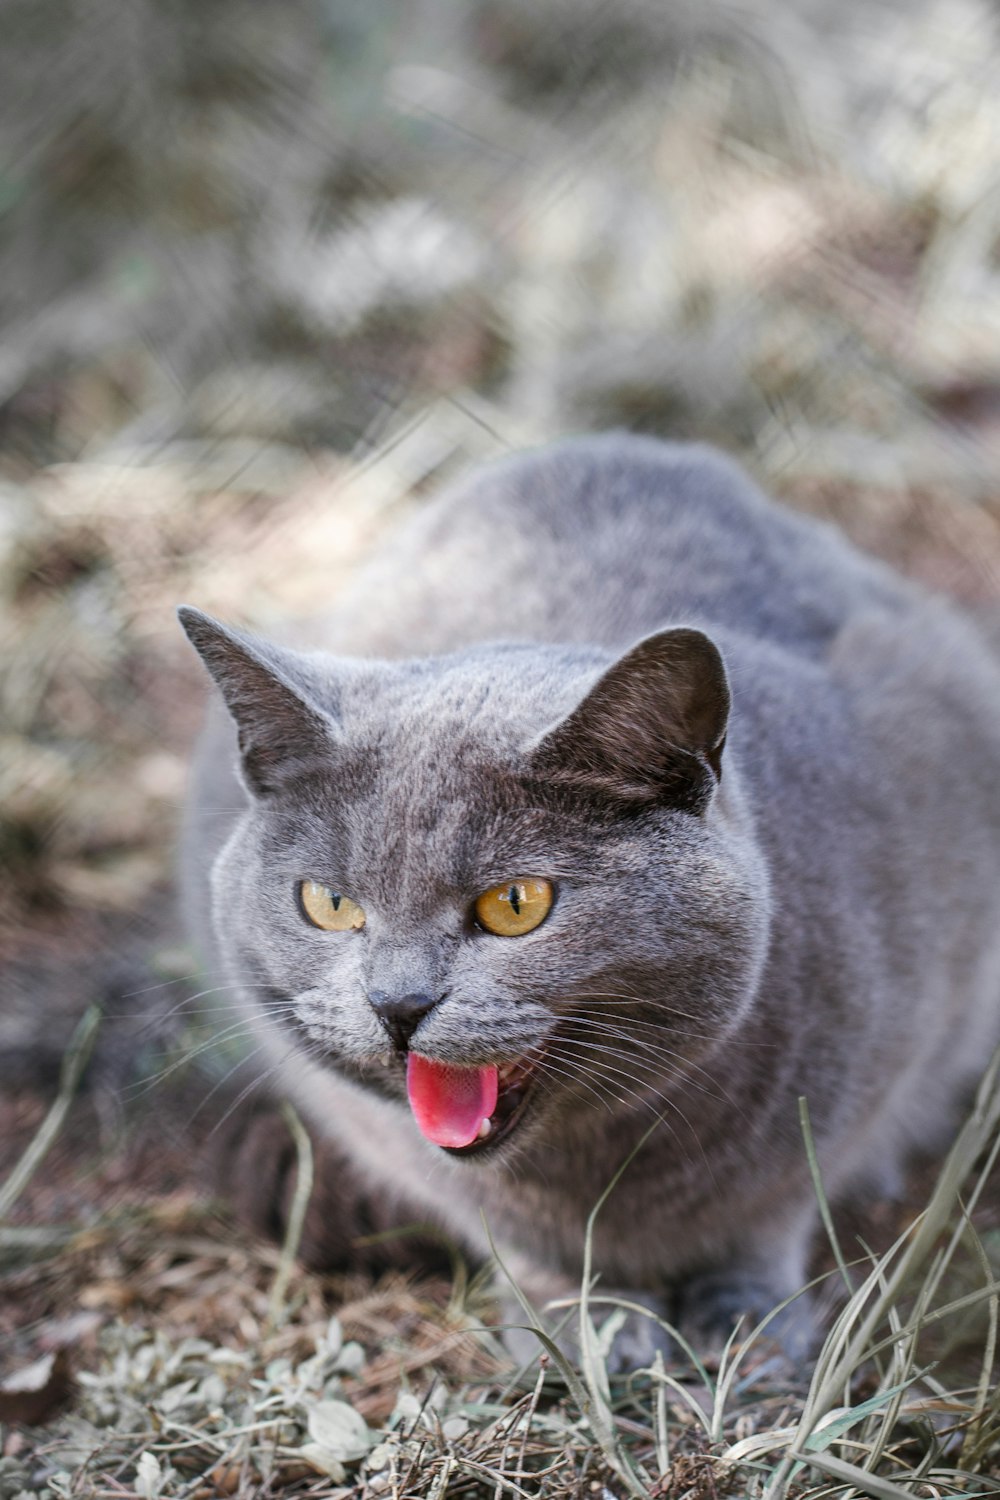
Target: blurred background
x,y
272,269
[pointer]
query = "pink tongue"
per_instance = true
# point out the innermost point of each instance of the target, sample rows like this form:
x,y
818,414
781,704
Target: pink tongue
x,y
449,1104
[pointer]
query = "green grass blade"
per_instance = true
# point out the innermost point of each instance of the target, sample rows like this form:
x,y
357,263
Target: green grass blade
x,y
296,1216
75,1060
859,1479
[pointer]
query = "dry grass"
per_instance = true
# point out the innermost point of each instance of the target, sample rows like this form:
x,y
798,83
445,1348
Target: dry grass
x,y
196,1367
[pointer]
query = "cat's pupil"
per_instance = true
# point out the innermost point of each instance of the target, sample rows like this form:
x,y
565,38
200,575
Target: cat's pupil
x,y
513,896
334,901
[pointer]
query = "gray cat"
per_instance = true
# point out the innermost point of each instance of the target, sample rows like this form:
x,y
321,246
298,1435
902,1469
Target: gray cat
x,y
624,793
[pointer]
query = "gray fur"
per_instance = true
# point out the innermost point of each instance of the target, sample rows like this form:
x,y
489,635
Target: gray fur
x,y
823,918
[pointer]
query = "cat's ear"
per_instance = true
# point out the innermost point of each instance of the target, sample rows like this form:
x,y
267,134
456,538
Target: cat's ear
x,y
281,734
651,730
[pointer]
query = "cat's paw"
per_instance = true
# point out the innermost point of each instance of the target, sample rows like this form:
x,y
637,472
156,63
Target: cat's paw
x,y
640,1338
713,1304
627,1340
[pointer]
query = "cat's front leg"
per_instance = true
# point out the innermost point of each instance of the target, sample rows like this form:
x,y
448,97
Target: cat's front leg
x,y
349,1223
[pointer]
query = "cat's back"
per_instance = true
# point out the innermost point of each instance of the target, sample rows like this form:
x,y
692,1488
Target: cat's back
x,y
600,540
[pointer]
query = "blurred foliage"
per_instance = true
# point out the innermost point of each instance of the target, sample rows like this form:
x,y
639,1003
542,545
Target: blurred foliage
x,y
284,220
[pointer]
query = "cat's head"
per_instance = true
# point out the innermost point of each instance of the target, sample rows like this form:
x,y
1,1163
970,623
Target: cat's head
x,y
505,884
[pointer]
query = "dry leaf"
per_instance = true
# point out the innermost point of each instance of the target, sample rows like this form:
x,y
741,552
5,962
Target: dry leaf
x,y
32,1395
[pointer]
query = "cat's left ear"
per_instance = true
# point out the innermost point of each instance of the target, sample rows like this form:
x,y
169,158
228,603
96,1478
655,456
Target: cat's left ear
x,y
651,730
282,735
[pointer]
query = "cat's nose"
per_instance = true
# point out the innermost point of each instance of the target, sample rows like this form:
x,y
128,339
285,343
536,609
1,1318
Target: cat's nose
x,y
400,1014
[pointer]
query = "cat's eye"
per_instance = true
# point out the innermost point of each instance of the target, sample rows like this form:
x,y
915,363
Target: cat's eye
x,y
328,909
514,908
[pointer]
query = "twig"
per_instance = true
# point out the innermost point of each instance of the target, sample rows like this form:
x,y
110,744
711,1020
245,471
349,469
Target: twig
x,y
821,1198
543,1361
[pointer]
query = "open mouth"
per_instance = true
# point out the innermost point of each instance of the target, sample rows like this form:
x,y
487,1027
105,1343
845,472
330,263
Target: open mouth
x,y
468,1111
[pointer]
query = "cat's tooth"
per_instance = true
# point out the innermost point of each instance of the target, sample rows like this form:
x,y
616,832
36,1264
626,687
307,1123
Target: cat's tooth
x,y
485,1128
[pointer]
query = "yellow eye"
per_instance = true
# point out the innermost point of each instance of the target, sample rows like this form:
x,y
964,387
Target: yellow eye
x,y
325,908
514,908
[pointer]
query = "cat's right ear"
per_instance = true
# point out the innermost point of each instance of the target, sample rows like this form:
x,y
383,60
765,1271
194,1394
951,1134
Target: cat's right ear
x,y
282,735
651,730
